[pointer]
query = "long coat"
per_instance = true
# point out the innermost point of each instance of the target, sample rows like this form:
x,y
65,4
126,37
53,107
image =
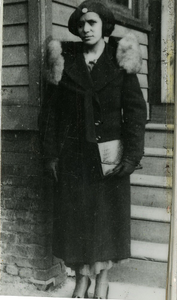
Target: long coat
x,y
92,212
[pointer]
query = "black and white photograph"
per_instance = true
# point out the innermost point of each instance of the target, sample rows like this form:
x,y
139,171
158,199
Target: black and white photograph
x,y
88,149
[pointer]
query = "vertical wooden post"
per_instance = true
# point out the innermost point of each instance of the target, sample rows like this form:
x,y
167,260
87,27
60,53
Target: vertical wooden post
x,y
167,51
172,262
34,52
143,11
155,52
40,28
45,34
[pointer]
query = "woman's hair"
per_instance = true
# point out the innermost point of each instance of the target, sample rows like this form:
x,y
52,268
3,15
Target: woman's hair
x,y
97,7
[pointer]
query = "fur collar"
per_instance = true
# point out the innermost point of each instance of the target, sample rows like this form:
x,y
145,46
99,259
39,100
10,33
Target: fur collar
x,y
128,55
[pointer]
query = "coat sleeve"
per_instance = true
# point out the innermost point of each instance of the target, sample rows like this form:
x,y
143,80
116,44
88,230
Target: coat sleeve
x,y
134,118
48,121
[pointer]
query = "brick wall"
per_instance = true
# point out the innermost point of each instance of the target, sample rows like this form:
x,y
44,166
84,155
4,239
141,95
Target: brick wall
x,y
26,211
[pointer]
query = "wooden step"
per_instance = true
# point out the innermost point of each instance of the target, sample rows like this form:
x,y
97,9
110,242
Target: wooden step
x,y
147,231
156,166
117,290
139,272
149,251
159,136
158,152
134,271
159,139
150,213
160,127
126,291
151,196
152,181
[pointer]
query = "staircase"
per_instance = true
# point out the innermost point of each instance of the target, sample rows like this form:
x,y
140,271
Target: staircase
x,y
144,275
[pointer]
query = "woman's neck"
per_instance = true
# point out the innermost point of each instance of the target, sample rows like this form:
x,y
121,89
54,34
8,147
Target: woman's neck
x,y
94,51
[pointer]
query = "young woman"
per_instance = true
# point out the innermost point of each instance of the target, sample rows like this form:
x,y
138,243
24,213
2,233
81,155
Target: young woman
x,y
93,141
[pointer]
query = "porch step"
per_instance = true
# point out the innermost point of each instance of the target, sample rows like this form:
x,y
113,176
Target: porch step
x,y
139,272
117,290
149,251
148,231
156,166
150,213
121,291
159,127
151,181
151,196
159,136
158,152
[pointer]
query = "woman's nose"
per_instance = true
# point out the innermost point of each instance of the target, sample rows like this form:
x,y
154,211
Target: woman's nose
x,y
86,27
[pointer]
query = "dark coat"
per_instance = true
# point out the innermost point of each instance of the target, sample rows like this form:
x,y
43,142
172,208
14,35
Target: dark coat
x,y
92,213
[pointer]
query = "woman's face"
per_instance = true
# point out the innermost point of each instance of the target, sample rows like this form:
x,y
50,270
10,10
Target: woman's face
x,y
90,28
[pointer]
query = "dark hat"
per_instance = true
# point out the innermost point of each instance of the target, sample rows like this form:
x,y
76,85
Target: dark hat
x,y
97,7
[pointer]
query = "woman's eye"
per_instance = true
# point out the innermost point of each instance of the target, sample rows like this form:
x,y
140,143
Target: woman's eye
x,y
92,23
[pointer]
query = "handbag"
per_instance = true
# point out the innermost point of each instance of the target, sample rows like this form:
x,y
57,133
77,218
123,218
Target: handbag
x,y
111,155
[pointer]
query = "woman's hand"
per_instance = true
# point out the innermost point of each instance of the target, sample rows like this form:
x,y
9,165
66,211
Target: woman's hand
x,y
51,166
126,167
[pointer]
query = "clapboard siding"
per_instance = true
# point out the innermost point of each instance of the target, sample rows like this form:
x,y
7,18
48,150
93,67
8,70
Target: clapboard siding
x,y
15,63
15,76
15,95
62,34
143,80
14,1
61,14
20,118
70,3
121,31
17,55
15,35
21,64
144,69
145,94
15,14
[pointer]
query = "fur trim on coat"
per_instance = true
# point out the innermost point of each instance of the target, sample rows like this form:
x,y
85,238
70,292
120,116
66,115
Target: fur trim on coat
x,y
128,56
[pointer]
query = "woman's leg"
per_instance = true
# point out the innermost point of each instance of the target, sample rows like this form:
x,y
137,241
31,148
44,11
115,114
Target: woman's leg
x,y
101,286
82,285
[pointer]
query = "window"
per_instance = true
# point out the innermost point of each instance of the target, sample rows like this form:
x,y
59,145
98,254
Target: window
x,y
134,13
127,3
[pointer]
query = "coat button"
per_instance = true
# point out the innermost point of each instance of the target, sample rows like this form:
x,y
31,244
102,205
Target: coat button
x,y
98,123
98,138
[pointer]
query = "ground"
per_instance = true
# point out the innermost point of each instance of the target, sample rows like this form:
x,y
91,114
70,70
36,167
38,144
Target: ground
x,y
119,291
17,288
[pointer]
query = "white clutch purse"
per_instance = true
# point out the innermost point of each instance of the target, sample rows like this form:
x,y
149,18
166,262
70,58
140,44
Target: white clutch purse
x,y
111,154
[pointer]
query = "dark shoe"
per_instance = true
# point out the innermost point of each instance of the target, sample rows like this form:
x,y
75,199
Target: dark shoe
x,y
86,292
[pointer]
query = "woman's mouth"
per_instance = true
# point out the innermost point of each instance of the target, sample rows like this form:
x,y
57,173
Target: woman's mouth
x,y
87,37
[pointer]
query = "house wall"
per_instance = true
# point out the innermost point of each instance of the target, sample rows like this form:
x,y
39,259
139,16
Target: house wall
x,y
26,208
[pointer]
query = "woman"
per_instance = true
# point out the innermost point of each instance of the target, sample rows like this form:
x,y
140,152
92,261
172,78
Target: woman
x,y
94,139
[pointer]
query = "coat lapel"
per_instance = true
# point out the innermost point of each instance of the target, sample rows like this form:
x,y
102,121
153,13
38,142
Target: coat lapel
x,y
79,73
103,72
